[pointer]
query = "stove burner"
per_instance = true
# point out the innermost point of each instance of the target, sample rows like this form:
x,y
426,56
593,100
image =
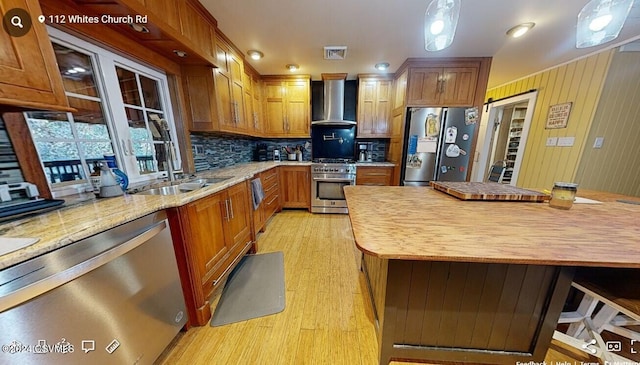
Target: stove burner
x,y
333,160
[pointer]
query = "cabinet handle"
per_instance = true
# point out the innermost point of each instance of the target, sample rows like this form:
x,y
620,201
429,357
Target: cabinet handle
x,y
441,86
131,150
226,209
230,266
237,112
231,207
286,123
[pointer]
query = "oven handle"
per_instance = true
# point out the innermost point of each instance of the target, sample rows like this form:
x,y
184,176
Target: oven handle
x,y
333,179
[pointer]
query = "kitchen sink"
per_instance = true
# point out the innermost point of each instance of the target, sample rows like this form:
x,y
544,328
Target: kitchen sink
x,y
168,190
185,187
210,180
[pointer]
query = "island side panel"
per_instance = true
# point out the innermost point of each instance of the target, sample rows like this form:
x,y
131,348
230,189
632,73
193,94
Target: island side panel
x,y
375,270
471,312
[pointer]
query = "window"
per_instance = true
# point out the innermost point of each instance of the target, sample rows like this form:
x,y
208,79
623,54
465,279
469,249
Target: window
x,y
122,108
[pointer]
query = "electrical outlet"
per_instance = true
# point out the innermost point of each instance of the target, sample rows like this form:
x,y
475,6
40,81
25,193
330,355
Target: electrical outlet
x,y
198,149
552,141
566,141
598,142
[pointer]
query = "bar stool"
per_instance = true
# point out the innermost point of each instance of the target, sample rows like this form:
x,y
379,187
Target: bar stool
x,y
611,302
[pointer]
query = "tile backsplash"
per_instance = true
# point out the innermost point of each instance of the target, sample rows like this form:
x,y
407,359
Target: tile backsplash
x,y
211,151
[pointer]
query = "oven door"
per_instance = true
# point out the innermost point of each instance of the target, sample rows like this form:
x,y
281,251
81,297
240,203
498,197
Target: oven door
x,y
327,195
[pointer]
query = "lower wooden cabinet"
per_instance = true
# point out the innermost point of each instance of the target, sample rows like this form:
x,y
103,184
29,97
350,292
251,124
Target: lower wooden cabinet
x,y
374,175
295,186
271,202
210,237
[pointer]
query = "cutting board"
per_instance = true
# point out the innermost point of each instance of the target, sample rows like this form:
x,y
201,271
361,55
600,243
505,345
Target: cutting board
x,y
488,191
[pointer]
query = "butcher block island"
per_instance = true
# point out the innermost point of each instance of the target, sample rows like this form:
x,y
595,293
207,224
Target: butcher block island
x,y
478,281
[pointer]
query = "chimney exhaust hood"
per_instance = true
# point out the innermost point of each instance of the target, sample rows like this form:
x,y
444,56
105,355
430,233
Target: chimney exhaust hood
x,y
334,100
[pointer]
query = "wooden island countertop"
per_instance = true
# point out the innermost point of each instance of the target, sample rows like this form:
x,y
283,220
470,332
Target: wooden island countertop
x,y
419,223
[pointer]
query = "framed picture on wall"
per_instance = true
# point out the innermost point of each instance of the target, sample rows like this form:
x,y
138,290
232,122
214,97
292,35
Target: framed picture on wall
x,y
558,116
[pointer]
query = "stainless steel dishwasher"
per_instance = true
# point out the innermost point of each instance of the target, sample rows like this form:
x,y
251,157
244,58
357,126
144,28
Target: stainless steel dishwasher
x,y
113,298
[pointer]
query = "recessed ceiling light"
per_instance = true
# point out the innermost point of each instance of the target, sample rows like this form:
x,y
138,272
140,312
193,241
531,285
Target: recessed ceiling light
x,y
382,66
520,29
139,28
256,55
292,67
180,53
79,69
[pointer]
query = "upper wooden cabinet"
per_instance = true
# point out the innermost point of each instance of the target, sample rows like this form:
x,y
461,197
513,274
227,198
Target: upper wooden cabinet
x,y
194,26
229,88
199,90
447,82
252,101
29,76
287,106
374,106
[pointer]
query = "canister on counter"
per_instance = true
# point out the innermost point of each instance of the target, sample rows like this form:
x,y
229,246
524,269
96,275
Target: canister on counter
x,y
563,195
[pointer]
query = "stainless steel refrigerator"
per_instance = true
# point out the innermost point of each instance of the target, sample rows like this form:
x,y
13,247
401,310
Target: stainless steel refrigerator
x,y
437,144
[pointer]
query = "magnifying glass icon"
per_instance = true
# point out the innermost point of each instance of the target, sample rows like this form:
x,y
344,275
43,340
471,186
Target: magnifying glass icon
x,y
16,21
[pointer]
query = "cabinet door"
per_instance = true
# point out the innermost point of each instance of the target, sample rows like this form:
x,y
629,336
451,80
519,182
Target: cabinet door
x,y
247,101
196,28
424,86
257,105
295,186
366,107
206,233
383,106
238,226
459,86
236,70
274,108
29,76
297,118
199,90
223,89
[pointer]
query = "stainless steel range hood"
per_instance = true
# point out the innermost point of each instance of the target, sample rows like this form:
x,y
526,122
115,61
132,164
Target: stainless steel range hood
x,y
333,101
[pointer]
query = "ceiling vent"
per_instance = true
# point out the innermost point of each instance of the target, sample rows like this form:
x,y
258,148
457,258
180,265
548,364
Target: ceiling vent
x,y
335,52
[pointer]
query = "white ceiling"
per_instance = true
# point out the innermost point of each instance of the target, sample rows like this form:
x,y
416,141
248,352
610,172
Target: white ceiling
x,y
295,31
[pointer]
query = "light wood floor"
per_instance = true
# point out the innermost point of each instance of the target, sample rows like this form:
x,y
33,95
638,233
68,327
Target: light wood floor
x,y
328,318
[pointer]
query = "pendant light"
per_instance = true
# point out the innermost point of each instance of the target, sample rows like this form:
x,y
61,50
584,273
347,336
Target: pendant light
x,y
600,21
440,22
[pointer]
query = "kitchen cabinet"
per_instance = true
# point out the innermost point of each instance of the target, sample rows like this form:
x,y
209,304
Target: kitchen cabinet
x,y
29,75
194,26
229,89
442,86
374,175
271,202
374,105
287,106
252,101
198,85
295,186
211,235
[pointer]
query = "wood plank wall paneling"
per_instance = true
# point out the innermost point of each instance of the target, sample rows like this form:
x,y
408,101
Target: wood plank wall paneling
x,y
615,167
466,306
376,270
579,82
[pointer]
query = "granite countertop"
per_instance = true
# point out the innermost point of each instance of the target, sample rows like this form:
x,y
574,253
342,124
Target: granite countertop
x,y
72,223
419,223
375,164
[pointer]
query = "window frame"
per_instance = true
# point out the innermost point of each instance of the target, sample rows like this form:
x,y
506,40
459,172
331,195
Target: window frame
x,y
105,62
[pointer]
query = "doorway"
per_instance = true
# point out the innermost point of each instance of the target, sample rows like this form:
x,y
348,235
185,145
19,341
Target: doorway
x,y
504,129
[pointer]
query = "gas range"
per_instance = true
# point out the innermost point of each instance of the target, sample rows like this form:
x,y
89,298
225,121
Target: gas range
x,y
329,176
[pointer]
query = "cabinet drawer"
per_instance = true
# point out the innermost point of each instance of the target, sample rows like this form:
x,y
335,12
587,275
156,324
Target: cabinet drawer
x,y
271,205
374,175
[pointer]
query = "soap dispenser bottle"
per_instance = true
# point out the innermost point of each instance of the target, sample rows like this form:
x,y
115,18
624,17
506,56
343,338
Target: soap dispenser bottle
x,y
108,185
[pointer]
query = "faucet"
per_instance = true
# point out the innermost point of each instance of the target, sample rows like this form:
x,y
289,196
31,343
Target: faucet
x,y
168,146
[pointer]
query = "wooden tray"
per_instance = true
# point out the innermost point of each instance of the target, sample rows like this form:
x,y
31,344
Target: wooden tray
x,y
488,191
